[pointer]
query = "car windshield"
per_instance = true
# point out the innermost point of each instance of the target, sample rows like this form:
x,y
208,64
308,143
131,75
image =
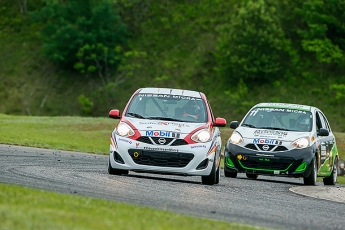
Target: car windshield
x,y
278,119
167,107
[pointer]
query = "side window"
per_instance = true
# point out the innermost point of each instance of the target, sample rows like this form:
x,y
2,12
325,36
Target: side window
x,y
318,121
327,126
322,121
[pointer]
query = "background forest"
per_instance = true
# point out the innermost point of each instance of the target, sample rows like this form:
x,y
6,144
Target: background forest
x,y
86,57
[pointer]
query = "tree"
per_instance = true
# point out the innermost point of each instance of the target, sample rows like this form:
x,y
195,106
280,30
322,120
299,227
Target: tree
x,y
78,23
324,33
253,46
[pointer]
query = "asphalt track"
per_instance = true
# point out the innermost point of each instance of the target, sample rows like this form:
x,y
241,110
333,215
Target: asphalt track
x,y
271,202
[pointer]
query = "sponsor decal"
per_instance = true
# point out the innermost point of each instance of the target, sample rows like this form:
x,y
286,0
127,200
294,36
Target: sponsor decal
x,y
264,155
158,133
255,111
161,149
137,144
266,141
270,133
124,140
113,141
180,125
169,96
285,105
296,111
175,135
198,146
162,134
265,159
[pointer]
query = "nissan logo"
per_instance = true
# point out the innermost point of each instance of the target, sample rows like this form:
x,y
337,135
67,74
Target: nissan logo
x,y
161,141
265,147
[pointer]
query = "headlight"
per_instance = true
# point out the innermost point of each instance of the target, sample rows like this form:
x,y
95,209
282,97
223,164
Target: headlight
x,y
203,135
301,143
236,138
124,130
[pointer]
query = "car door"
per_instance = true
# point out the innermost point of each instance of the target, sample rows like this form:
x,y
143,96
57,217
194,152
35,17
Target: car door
x,y
325,143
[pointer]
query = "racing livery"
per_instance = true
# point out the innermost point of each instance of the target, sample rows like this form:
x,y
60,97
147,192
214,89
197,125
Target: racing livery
x,y
167,131
280,139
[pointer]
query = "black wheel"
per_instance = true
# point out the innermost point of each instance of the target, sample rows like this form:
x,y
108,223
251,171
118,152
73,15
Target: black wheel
x,y
212,178
252,176
218,175
311,179
230,174
332,179
113,171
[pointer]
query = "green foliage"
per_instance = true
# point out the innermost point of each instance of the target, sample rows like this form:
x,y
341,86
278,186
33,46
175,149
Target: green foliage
x,y
69,28
339,91
106,91
98,57
325,30
253,45
86,104
9,22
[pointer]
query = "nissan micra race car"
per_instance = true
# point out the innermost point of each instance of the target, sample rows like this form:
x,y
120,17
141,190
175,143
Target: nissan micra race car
x,y
280,139
167,131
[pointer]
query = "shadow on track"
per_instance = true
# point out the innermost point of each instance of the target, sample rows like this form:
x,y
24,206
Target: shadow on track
x,y
157,178
273,180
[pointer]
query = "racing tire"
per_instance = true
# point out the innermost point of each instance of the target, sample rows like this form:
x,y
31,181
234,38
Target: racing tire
x,y
212,178
252,176
230,174
113,171
218,175
332,179
311,179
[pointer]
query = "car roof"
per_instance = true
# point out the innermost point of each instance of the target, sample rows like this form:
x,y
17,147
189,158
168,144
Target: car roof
x,y
286,105
180,92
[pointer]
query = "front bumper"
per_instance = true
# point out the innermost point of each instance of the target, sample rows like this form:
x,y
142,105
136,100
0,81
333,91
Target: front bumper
x,y
187,160
291,163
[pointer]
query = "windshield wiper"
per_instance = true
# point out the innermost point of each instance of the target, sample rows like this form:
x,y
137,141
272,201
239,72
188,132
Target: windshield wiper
x,y
156,118
136,115
163,118
249,125
275,128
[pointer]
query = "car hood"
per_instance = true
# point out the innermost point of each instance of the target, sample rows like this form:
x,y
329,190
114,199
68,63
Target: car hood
x,y
270,134
161,125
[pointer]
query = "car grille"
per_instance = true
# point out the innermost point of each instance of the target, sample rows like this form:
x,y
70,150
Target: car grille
x,y
168,141
160,158
273,148
273,163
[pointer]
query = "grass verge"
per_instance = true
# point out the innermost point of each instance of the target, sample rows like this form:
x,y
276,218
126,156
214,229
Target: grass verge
x,y
26,208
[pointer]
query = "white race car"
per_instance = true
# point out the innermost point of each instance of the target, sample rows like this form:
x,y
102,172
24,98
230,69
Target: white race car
x,y
167,131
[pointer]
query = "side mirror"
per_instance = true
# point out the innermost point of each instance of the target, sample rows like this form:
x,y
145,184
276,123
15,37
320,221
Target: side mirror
x,y
220,122
323,132
115,114
234,124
